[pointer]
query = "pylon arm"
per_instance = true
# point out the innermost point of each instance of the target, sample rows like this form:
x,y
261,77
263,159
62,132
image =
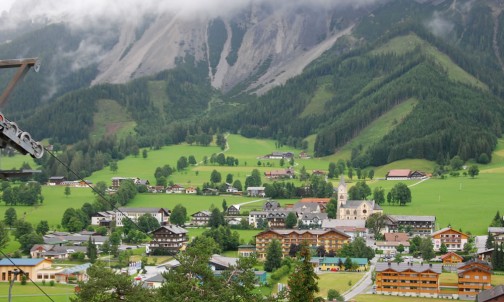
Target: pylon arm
x,y
12,135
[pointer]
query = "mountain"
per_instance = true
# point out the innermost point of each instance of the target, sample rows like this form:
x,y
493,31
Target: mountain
x,y
309,75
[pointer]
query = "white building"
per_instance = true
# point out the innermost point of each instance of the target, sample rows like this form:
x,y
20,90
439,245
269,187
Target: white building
x,y
160,214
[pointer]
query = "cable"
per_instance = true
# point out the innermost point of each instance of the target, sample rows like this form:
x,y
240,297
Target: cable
x,y
14,264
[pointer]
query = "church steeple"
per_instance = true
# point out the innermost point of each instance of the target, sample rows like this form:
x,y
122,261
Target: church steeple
x,y
342,191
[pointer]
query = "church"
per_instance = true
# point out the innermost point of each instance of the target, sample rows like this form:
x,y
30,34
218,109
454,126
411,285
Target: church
x,y
354,209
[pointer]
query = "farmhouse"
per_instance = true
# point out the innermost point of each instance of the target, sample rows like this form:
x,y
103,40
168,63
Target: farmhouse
x,y
256,191
160,214
404,174
416,225
279,155
104,218
312,220
280,174
116,181
453,239
201,218
276,219
56,180
168,239
54,251
408,279
233,210
321,201
175,189
332,240
451,258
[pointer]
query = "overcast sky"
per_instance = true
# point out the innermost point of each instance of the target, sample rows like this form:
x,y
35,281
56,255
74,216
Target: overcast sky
x,y
5,5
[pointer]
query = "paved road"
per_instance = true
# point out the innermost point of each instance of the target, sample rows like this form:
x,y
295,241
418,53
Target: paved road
x,y
363,284
252,201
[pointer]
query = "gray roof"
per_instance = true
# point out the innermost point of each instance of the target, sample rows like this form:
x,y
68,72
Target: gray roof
x,y
353,204
315,232
335,223
403,266
141,210
172,228
223,261
76,269
207,213
279,213
311,216
157,278
412,218
492,293
306,207
495,229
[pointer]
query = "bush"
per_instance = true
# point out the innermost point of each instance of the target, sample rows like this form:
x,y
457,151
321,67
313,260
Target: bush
x,y
333,294
51,283
43,282
23,279
279,273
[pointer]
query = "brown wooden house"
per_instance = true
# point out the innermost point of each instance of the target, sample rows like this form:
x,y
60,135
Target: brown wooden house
x,y
473,277
166,240
451,258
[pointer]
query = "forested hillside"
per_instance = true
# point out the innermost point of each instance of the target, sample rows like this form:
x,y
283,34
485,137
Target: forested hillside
x,y
446,55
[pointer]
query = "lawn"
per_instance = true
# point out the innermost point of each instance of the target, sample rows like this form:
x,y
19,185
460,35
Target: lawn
x,y
338,281
29,292
54,205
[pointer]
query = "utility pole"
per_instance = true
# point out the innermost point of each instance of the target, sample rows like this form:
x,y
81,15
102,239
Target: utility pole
x,y
15,272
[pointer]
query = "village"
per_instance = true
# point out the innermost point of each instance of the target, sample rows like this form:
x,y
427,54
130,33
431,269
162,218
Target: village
x,y
398,264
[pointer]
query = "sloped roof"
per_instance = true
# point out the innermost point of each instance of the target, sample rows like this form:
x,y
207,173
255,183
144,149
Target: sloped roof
x,y
412,218
399,173
449,254
157,278
21,261
336,223
396,237
336,260
490,294
403,266
447,229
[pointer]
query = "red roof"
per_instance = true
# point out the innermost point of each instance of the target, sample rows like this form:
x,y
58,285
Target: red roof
x,y
399,173
319,200
398,237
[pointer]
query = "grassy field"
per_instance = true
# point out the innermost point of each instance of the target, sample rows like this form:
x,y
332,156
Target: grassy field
x,y
29,292
245,235
55,203
338,281
111,119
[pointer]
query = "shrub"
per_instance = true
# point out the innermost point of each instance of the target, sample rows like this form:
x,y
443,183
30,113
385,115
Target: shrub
x,y
333,294
51,283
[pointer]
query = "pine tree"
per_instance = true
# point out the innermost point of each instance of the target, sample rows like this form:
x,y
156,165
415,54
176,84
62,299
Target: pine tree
x,y
303,282
273,256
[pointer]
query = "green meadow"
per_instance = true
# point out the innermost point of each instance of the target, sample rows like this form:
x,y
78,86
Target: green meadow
x,y
463,202
29,292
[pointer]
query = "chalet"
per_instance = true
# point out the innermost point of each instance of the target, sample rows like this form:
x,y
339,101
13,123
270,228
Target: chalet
x,y
453,239
404,174
32,267
234,220
200,218
353,228
231,189
312,220
451,258
246,250
168,239
319,173
139,181
233,210
497,233
104,218
408,279
485,255
134,214
280,174
156,189
56,180
190,190
271,205
175,189
473,277
256,191
332,240
415,225
354,209
276,219
337,264
494,294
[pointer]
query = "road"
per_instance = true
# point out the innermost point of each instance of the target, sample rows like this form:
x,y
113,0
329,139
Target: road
x,y
364,283
252,201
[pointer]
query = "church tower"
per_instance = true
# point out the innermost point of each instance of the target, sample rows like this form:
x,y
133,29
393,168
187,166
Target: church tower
x,y
342,192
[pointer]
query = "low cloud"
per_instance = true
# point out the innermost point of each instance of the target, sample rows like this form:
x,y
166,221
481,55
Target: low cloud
x,y
439,26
